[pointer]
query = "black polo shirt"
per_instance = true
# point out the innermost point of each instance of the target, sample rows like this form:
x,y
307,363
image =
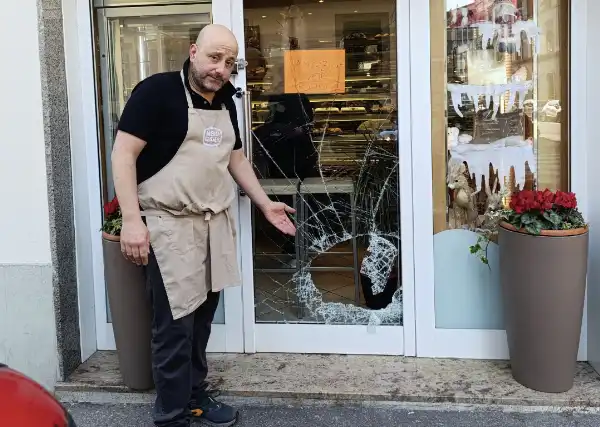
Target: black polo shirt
x,y
157,112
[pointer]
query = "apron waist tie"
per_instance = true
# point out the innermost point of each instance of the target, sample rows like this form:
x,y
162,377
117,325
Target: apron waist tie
x,y
158,212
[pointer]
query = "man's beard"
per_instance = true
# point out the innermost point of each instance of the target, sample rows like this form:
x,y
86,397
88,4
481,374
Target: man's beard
x,y
198,80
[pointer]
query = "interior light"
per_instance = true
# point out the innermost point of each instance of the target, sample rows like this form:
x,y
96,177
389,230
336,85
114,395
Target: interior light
x,y
264,16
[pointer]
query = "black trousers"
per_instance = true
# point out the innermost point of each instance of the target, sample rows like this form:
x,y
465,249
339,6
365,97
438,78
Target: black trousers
x,y
178,351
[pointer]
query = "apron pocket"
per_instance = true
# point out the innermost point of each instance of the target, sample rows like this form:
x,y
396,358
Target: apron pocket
x,y
179,232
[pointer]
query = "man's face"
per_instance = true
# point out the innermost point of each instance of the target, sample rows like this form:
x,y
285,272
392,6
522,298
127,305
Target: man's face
x,y
211,65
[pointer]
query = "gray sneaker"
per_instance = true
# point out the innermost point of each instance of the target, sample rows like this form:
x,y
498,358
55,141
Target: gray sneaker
x,y
208,411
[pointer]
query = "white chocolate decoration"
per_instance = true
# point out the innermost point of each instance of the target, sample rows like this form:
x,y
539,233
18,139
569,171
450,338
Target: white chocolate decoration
x,y
489,29
490,92
531,30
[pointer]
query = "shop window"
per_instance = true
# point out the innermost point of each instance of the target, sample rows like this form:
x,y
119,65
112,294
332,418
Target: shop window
x,y
500,123
322,77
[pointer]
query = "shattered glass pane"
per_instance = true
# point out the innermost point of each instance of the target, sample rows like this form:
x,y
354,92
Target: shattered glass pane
x,y
324,121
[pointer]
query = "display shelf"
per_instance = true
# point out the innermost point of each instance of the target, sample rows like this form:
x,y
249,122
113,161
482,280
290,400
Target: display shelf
x,y
336,98
340,117
349,152
349,79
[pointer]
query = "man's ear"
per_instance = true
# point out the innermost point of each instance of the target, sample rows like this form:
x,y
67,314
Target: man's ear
x,y
193,51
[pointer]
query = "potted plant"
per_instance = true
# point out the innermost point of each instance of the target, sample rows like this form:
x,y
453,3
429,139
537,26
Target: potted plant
x,y
129,306
113,221
543,242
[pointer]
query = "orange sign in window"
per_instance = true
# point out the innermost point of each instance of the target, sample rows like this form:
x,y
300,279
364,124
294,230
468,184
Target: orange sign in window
x,y
315,71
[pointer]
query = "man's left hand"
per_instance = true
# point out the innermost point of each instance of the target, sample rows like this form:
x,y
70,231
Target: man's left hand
x,y
277,214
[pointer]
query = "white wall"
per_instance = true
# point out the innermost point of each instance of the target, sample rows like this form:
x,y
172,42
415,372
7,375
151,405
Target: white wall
x,y
23,195
27,327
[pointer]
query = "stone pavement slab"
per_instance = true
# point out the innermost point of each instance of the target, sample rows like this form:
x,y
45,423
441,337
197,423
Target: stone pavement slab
x,y
356,378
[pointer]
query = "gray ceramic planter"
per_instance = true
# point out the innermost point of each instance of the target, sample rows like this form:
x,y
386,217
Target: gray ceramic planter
x,y
131,315
543,282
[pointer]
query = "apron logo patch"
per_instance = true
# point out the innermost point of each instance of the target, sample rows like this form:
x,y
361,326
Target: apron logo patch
x,y
213,136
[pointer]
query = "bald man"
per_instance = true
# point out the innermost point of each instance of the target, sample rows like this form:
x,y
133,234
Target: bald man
x,y
177,149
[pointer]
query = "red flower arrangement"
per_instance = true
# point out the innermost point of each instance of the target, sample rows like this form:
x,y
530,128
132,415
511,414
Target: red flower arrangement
x,y
110,208
535,211
113,220
532,212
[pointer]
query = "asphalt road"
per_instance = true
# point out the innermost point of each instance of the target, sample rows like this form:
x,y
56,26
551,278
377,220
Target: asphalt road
x,y
132,415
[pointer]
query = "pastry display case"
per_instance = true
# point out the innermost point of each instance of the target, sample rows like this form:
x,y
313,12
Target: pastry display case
x,y
342,126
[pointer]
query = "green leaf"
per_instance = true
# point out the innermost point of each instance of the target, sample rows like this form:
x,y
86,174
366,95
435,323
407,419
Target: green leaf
x,y
527,219
552,217
534,228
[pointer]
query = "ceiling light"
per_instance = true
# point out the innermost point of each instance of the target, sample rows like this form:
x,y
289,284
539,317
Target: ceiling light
x,y
264,16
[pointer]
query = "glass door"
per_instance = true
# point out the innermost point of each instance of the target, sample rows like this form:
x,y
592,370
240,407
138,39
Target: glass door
x,y
495,119
325,133
135,43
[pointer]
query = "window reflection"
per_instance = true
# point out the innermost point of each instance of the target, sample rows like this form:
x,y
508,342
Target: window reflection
x,y
506,97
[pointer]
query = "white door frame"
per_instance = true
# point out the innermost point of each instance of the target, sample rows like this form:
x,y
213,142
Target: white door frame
x,y
96,332
346,339
475,343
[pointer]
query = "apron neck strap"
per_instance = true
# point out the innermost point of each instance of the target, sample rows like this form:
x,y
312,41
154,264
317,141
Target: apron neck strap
x,y
187,92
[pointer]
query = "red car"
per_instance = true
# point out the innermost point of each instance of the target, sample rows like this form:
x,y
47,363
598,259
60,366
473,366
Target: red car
x,y
25,403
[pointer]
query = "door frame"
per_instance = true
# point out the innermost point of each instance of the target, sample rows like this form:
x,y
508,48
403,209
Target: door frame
x,y
312,338
476,343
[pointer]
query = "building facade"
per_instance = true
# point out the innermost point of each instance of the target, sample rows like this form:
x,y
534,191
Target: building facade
x,y
358,113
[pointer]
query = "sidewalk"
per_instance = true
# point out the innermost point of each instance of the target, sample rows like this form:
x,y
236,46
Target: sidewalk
x,y
345,379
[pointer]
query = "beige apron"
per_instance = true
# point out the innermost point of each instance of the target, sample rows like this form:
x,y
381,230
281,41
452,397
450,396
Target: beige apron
x,y
187,206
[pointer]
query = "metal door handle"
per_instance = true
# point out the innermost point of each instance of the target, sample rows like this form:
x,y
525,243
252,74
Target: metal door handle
x,y
247,143
248,124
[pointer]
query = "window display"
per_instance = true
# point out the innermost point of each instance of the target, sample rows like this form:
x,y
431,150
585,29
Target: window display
x,y
322,78
499,95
